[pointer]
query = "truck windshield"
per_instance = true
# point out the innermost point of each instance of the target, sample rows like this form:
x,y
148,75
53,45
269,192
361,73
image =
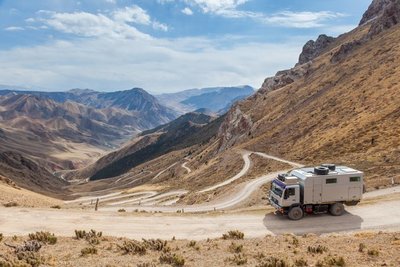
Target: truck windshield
x,y
277,190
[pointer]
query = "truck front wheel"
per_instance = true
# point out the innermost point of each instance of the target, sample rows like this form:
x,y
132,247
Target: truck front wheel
x,y
295,213
336,209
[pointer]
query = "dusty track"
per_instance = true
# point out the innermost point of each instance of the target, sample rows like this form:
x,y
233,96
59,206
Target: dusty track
x,y
18,221
151,201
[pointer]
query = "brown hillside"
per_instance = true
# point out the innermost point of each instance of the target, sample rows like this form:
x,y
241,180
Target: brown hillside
x,y
345,109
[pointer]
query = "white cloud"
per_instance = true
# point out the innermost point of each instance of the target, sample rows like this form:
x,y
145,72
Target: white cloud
x,y
14,29
301,19
187,11
160,26
217,6
132,14
154,64
92,25
111,1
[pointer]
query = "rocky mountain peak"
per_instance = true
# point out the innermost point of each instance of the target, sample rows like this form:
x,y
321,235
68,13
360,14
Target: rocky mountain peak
x,y
313,49
375,10
386,17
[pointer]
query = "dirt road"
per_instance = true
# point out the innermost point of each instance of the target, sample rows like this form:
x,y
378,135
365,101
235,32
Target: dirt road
x,y
20,221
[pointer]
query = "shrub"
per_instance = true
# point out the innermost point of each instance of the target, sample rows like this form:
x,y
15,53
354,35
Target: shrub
x,y
319,249
192,243
157,245
56,207
133,247
10,204
274,262
373,252
238,259
331,261
172,259
295,241
361,247
121,210
301,263
1,237
31,258
235,248
236,234
44,237
92,237
89,251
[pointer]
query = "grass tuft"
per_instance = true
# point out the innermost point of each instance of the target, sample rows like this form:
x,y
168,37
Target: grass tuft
x,y
172,259
44,237
236,234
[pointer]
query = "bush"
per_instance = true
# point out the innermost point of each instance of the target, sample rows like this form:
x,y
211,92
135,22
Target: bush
x,y
121,210
274,262
361,247
44,237
301,263
172,259
238,259
192,243
1,237
31,246
235,248
89,251
56,207
92,237
331,261
319,249
157,245
133,247
373,252
31,258
236,234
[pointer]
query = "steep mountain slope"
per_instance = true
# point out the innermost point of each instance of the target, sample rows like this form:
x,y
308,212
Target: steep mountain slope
x,y
214,98
341,105
186,131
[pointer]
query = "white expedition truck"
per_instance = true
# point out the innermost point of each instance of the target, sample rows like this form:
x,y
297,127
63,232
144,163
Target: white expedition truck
x,y
316,190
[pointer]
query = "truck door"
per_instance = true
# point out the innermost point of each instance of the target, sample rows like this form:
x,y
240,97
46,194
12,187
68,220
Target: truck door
x,y
317,192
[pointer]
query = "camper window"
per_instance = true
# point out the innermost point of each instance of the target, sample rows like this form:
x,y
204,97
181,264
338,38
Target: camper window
x,y
355,179
331,181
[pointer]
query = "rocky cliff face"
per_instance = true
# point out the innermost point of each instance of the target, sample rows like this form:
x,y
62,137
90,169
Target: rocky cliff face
x,y
386,17
313,49
234,128
374,10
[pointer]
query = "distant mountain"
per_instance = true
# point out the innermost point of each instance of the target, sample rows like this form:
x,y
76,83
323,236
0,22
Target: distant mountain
x,y
149,112
213,98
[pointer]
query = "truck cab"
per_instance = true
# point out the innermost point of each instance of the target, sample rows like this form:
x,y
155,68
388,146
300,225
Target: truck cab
x,y
285,192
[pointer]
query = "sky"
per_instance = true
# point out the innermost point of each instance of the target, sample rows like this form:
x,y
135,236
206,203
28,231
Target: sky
x,y
160,45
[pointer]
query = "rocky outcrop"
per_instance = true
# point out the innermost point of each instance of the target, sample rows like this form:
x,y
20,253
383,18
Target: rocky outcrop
x,y
345,50
235,127
374,10
285,77
387,18
313,49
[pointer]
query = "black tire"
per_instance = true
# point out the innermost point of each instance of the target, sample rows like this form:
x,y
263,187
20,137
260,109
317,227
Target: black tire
x,y
321,170
331,167
336,209
295,213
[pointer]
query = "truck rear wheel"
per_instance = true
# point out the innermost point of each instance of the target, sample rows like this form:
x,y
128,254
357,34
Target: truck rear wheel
x,y
295,213
337,209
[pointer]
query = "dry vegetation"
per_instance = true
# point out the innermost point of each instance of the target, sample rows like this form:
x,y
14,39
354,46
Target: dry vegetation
x,y
359,249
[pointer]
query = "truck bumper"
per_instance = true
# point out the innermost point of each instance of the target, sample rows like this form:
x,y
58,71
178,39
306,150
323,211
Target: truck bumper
x,y
276,206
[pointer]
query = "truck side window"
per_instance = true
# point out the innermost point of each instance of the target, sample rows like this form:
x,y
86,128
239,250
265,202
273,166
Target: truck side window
x,y
292,191
331,181
355,179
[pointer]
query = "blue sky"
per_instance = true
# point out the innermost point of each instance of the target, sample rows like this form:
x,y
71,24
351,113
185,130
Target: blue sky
x,y
160,45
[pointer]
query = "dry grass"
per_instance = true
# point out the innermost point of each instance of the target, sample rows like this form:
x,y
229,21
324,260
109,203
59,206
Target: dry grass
x,y
269,251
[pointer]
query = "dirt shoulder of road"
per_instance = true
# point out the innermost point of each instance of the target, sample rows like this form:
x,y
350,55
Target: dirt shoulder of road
x,y
356,249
